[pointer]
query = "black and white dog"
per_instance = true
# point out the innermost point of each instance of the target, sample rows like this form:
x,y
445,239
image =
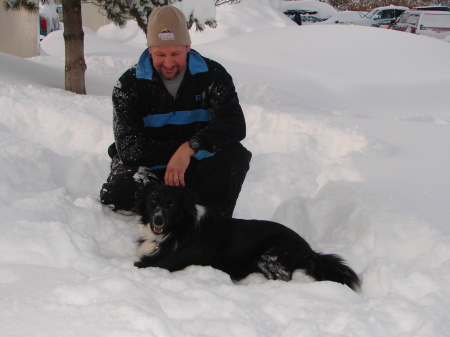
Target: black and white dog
x,y
177,232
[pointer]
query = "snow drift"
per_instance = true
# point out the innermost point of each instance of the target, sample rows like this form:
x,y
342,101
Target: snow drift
x,y
350,151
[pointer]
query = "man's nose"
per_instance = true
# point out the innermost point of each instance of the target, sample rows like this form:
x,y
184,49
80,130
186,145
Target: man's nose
x,y
169,62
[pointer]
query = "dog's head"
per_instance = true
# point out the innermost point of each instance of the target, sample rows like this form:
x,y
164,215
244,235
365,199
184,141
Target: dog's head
x,y
162,207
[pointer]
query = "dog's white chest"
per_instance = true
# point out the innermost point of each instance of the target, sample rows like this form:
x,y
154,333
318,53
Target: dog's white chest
x,y
150,242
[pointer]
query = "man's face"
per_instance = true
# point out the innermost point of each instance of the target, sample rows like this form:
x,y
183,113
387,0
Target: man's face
x,y
169,61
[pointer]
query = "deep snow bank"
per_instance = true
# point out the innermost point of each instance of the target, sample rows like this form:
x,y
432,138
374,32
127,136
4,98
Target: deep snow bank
x,y
351,179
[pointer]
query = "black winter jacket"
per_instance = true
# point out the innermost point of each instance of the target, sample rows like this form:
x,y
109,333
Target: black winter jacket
x,y
150,124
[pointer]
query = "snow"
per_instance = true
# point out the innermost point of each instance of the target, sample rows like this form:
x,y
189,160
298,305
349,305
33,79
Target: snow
x,y
349,128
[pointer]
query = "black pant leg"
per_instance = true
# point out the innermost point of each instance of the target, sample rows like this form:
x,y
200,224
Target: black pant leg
x,y
123,184
218,179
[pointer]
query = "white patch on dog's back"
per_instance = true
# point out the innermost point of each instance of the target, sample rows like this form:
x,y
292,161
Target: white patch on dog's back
x,y
201,211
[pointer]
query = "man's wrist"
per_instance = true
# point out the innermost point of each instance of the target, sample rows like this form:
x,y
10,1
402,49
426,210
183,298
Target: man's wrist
x,y
194,144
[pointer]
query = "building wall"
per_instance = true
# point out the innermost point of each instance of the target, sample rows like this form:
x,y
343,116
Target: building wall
x,y
92,17
19,32
19,29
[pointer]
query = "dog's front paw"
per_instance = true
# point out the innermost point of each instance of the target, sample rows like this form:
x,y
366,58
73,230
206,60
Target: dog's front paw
x,y
147,247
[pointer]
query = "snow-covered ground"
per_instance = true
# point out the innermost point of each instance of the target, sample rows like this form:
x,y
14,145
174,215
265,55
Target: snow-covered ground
x,y
349,129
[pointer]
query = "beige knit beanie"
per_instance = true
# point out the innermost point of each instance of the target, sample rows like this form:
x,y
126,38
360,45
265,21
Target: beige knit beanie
x,y
167,27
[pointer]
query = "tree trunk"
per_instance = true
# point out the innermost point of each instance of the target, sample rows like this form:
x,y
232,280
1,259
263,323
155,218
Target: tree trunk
x,y
74,46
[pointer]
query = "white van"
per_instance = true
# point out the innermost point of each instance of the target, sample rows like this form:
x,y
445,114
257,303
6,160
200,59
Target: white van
x,y
381,17
430,23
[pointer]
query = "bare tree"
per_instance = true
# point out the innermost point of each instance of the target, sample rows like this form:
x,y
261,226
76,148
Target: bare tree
x,y
74,47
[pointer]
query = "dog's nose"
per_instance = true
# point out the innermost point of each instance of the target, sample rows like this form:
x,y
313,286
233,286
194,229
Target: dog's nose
x,y
158,220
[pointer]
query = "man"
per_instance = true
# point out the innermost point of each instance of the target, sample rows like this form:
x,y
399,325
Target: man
x,y
177,121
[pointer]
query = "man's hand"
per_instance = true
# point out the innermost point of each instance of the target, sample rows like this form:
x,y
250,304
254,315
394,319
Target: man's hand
x,y
178,165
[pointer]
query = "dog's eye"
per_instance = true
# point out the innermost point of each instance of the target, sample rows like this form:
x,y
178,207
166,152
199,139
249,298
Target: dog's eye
x,y
171,204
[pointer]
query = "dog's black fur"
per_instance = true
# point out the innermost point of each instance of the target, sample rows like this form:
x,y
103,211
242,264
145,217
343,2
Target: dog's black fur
x,y
178,233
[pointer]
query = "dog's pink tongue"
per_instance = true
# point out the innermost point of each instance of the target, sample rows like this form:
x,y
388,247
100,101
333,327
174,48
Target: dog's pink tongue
x,y
157,230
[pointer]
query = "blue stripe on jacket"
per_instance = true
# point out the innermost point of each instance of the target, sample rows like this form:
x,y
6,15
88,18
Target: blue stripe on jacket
x,y
178,118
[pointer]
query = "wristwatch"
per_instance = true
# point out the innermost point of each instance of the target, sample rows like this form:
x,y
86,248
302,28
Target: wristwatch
x,y
194,144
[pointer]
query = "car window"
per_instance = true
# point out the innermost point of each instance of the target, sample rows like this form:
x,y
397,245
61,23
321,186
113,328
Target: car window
x,y
398,12
413,18
372,13
387,14
402,18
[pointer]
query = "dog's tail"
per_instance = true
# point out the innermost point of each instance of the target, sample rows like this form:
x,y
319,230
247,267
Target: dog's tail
x,y
331,267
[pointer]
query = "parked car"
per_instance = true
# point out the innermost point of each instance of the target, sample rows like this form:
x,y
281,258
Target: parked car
x,y
306,16
310,11
382,17
430,23
345,18
48,18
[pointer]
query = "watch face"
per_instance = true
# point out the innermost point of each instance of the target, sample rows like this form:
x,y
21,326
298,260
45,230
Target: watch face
x,y
194,144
